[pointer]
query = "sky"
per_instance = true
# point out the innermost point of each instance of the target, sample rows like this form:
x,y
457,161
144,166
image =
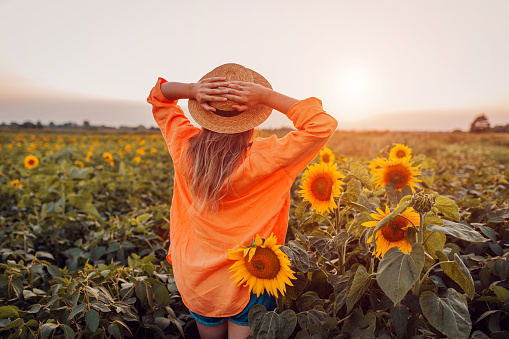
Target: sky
x,y
395,64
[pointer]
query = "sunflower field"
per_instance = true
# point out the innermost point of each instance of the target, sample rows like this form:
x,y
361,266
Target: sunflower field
x,y
391,235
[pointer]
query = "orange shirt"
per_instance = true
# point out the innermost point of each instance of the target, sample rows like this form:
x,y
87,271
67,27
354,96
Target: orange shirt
x,y
258,202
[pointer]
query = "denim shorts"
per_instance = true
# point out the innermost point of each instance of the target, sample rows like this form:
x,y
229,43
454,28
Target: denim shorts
x,y
240,319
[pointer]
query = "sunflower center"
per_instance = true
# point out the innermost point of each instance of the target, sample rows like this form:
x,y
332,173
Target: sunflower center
x,y
325,158
31,161
322,187
396,230
400,154
264,264
398,175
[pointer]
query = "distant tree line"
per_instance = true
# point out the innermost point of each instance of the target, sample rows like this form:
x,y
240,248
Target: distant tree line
x,y
70,126
481,124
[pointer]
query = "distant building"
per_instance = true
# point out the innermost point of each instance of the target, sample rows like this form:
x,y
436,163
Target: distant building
x,y
480,124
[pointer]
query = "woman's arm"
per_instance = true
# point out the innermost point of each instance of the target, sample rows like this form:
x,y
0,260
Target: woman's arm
x,y
248,95
203,91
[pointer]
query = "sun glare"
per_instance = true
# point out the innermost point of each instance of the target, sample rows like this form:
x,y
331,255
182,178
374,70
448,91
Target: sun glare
x,y
354,85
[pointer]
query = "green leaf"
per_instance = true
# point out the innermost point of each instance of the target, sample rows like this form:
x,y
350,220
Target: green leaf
x,y
287,323
366,328
458,230
141,218
315,217
162,296
54,271
434,242
68,332
360,172
448,315
399,316
92,320
392,193
301,208
75,173
359,285
447,207
76,310
398,271
255,317
35,308
489,232
47,328
299,284
502,293
9,311
141,290
15,324
458,272
308,301
300,256
115,331
479,335
100,306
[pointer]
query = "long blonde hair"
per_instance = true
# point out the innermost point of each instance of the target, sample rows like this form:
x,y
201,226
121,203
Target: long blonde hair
x,y
210,160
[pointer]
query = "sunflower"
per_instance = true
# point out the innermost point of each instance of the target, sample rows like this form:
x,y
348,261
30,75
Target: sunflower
x,y
326,156
393,234
375,164
320,185
15,183
89,155
153,151
137,159
79,163
398,171
31,161
400,151
107,156
128,147
261,266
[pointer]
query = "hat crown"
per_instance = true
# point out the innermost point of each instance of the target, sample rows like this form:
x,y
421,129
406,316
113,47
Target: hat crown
x,y
239,121
232,72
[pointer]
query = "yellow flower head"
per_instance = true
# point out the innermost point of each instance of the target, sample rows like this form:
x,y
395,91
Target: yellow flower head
x,y
107,156
128,147
137,159
400,151
375,164
326,156
395,233
15,183
153,151
140,151
79,163
89,155
261,266
31,161
320,185
398,171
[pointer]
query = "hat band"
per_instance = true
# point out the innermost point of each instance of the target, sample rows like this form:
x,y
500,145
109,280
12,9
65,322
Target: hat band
x,y
227,114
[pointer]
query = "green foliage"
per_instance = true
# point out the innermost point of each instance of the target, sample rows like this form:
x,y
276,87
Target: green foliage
x,y
83,249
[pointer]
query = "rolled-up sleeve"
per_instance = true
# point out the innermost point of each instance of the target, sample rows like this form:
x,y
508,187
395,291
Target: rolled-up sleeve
x,y
314,128
174,125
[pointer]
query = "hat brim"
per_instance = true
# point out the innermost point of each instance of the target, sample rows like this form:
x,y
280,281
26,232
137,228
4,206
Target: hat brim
x,y
242,122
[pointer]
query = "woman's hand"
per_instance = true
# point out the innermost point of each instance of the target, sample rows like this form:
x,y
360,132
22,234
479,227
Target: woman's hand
x,y
208,90
246,94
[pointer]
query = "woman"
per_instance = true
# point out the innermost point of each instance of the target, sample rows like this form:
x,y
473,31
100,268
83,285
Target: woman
x,y
229,186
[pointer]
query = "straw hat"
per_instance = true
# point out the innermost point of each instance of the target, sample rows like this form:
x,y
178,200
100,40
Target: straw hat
x,y
226,119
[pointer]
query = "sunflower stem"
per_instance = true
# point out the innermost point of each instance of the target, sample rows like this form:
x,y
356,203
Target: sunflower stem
x,y
401,215
337,213
421,228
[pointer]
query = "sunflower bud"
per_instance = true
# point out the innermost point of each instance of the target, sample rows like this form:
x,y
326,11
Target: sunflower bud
x,y
422,202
